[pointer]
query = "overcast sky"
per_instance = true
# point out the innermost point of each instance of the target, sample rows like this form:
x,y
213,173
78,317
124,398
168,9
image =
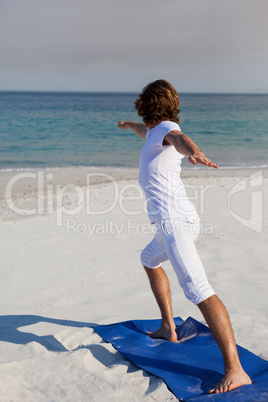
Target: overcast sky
x,y
121,45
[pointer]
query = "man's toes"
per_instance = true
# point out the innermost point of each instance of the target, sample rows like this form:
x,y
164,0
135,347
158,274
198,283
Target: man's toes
x,y
225,388
230,387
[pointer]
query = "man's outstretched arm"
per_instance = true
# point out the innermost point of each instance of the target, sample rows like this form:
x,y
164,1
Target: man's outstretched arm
x,y
138,128
185,146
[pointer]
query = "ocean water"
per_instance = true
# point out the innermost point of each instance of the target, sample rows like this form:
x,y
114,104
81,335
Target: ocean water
x,y
39,129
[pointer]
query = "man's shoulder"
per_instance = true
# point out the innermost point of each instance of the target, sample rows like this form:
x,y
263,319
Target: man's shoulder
x,y
168,125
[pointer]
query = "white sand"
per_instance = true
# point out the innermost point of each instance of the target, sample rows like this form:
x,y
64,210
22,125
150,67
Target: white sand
x,y
62,273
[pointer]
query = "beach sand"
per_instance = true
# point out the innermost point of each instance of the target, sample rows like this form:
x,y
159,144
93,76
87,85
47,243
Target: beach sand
x,y
71,240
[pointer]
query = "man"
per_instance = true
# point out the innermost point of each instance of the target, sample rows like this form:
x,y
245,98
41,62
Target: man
x,y
177,223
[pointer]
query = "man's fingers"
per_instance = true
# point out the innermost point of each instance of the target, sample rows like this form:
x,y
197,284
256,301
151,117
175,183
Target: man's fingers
x,y
192,160
202,160
121,124
212,164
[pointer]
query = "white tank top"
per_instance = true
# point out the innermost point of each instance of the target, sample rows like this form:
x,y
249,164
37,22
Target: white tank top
x,y
159,176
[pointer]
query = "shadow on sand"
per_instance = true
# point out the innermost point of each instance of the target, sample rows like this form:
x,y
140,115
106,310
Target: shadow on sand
x,y
10,325
10,332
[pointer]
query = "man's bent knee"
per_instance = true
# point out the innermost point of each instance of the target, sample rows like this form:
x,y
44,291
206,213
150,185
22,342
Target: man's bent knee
x,y
147,262
207,300
197,296
149,267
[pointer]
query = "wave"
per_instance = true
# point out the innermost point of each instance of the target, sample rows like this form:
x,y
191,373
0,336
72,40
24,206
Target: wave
x,y
114,167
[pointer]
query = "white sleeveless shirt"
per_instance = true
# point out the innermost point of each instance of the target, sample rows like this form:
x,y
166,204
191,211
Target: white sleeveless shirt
x,y
159,176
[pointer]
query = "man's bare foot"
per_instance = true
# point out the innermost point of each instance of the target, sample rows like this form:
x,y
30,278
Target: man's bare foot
x,y
231,380
164,333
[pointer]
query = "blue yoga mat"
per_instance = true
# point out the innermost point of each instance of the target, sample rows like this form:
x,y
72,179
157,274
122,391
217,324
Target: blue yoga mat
x,y
190,366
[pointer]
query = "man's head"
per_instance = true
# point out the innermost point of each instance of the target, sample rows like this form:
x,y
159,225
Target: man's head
x,y
158,101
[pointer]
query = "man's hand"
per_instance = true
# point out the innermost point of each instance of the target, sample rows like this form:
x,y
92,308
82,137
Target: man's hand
x,y
123,125
138,128
199,157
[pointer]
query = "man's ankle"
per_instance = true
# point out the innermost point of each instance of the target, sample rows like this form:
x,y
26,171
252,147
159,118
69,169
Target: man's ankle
x,y
168,325
233,367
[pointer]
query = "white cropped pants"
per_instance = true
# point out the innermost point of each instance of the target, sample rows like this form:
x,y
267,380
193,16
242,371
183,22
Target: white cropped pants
x,y
174,241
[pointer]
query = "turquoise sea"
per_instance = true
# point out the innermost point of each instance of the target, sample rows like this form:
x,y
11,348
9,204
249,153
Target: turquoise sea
x,y
42,129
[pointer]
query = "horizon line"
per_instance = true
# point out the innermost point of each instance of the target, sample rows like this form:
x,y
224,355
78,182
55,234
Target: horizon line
x,y
125,92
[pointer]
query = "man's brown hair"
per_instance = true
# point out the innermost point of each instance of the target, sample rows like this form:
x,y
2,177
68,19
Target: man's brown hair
x,y
158,101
